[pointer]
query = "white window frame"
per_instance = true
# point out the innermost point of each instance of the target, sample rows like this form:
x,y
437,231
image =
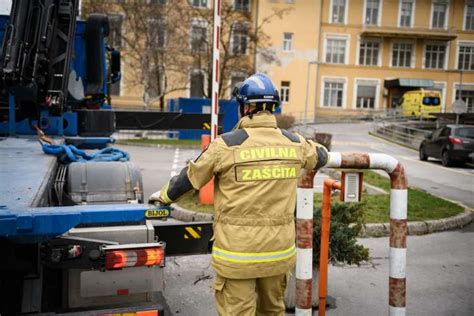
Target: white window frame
x,y
346,10
466,3
188,85
379,57
288,89
456,86
413,11
379,17
443,94
234,6
446,54
337,36
243,25
413,55
200,6
324,79
458,46
200,23
229,81
290,41
377,93
446,17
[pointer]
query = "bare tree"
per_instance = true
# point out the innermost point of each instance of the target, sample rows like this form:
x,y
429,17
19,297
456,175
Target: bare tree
x,y
241,38
165,40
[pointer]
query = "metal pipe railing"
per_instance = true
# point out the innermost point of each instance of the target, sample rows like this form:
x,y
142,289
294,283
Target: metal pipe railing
x,y
398,217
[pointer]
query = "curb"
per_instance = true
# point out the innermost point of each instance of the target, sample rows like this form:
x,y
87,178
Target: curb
x,y
125,143
420,227
368,230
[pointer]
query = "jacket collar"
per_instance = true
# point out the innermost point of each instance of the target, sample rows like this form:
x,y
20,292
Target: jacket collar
x,y
261,119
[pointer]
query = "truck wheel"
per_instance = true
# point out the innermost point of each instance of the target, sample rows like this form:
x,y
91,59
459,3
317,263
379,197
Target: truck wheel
x,y
423,155
445,160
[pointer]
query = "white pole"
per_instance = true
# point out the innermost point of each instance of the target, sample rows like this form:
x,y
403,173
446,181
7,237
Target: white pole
x,y
215,69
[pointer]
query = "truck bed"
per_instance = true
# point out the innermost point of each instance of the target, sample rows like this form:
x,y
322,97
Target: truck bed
x,y
24,172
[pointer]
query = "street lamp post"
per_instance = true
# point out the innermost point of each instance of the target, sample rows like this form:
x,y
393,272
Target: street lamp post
x,y
306,99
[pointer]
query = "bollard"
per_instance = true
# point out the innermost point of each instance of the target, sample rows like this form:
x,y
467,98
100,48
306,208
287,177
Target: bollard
x,y
206,193
398,217
304,243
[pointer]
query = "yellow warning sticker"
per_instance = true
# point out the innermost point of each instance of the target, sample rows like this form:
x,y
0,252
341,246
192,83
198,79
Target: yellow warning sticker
x,y
192,233
157,213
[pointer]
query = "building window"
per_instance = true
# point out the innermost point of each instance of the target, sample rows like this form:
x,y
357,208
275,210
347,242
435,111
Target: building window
x,y
157,30
402,54
239,39
199,3
338,11
115,30
285,91
336,51
287,41
366,94
234,80
467,95
151,1
369,52
466,56
333,93
196,84
440,8
156,84
199,36
435,55
242,5
406,13
372,8
469,16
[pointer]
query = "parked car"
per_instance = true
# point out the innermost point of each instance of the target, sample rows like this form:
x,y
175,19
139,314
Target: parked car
x,y
452,144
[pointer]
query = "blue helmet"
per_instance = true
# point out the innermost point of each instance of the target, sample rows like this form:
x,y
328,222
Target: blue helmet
x,y
258,89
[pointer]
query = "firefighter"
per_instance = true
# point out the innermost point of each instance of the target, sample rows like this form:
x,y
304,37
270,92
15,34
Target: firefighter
x,y
255,167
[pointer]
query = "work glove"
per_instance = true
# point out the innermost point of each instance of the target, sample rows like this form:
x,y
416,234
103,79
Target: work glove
x,y
160,209
155,199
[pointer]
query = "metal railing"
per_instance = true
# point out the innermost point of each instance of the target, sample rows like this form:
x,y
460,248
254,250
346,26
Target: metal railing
x,y
401,132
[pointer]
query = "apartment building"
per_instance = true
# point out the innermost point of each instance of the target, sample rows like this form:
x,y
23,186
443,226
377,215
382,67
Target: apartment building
x,y
331,57
360,56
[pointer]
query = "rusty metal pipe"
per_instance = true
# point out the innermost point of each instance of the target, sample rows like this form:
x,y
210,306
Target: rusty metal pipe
x,y
398,217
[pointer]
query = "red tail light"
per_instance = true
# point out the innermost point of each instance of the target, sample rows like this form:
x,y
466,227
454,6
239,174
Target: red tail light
x,y
124,258
455,140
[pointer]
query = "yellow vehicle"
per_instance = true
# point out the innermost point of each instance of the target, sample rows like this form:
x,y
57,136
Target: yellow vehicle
x,y
419,103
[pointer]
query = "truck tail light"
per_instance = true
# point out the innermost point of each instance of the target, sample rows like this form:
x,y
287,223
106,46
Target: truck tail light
x,y
134,257
455,140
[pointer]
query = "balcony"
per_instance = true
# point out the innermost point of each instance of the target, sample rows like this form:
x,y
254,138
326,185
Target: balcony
x,y
408,33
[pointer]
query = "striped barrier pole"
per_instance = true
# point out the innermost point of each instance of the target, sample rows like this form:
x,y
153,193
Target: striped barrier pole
x,y
398,218
215,69
304,244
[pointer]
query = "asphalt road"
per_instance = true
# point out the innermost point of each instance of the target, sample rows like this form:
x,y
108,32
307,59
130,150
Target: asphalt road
x,y
455,184
440,269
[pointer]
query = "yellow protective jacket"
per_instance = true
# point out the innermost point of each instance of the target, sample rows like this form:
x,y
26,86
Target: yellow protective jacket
x,y
256,167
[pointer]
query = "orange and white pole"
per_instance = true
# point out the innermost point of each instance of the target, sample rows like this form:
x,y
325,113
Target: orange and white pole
x,y
398,218
215,69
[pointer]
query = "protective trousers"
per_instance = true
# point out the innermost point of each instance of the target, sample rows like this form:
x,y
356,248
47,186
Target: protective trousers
x,y
250,297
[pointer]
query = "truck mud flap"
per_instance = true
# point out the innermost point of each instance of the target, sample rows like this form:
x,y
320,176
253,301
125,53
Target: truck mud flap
x,y
191,238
